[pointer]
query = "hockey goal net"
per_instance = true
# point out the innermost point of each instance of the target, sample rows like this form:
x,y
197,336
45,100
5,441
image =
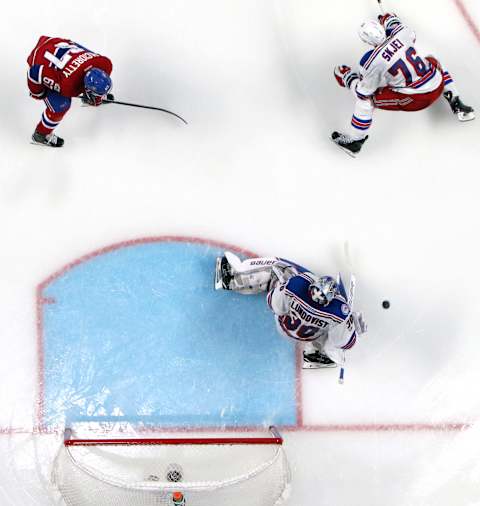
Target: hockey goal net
x,y
200,471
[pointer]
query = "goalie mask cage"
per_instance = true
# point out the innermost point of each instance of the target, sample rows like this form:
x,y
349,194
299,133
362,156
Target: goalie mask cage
x,y
200,471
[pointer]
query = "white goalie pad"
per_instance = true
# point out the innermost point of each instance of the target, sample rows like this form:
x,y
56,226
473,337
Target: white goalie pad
x,y
255,275
250,276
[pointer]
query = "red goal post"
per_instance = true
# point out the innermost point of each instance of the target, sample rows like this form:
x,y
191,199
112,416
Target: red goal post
x,y
228,470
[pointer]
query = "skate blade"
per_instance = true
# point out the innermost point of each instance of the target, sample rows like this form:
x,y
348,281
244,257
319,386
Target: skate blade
x,y
310,365
34,143
464,117
218,285
345,150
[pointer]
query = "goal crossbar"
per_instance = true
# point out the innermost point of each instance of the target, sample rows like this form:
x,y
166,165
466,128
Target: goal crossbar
x,y
274,439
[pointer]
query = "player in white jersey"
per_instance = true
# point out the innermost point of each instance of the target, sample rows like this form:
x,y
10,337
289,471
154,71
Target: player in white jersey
x,y
393,77
311,309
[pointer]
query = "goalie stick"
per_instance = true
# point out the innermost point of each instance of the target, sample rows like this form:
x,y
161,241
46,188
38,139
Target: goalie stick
x,y
351,296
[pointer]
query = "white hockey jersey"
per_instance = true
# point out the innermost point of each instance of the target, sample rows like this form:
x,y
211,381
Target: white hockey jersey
x,y
396,64
298,316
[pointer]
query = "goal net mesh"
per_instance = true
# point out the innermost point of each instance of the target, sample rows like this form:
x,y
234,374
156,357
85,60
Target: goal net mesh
x,y
139,473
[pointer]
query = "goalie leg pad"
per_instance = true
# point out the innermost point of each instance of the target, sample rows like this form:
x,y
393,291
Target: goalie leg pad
x,y
249,277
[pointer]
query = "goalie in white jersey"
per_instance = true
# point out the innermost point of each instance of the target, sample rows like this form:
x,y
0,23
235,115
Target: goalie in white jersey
x,y
311,309
392,76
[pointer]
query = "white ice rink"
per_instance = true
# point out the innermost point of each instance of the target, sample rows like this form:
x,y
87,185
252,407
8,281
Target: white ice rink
x,y
255,167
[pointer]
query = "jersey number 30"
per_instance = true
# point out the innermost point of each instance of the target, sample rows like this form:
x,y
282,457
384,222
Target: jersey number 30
x,y
304,332
413,62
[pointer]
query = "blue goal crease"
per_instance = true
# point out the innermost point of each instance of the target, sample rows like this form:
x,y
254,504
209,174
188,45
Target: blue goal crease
x,y
139,334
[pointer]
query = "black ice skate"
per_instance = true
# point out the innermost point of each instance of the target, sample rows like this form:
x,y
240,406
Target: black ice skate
x,y
317,360
351,146
223,274
462,111
50,140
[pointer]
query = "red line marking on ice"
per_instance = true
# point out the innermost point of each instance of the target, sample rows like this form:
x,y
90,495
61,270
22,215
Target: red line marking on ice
x,y
39,409
332,427
298,384
385,427
11,431
388,427
48,300
468,18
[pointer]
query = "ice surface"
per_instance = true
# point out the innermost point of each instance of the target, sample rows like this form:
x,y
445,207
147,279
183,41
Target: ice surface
x,y
139,332
255,168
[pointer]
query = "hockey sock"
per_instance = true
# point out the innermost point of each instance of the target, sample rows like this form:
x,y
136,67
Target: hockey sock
x,y
450,84
359,127
362,119
49,122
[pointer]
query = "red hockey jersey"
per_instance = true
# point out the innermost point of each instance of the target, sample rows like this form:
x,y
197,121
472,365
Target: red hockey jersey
x,y
60,65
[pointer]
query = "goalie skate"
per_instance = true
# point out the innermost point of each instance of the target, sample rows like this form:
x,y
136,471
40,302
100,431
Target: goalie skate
x,y
317,360
223,274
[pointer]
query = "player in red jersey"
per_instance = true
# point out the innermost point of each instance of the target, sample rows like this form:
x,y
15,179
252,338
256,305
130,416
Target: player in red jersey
x,y
60,69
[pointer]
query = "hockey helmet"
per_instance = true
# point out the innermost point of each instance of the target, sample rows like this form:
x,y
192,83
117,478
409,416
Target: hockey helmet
x,y
97,82
372,32
323,290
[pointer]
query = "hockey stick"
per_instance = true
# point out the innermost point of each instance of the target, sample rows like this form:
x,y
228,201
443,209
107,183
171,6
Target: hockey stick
x,y
351,296
348,255
382,9
351,293
128,104
82,98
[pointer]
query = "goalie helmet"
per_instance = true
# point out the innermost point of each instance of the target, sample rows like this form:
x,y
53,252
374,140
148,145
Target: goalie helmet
x,y
373,33
323,291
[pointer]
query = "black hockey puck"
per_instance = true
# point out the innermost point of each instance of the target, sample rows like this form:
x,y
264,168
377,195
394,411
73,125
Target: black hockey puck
x,y
385,304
